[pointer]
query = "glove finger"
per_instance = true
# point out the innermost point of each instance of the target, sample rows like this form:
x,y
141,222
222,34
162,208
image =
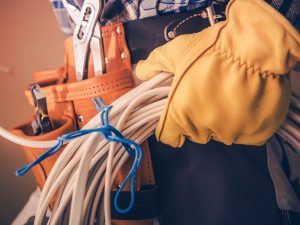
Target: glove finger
x,y
165,58
158,61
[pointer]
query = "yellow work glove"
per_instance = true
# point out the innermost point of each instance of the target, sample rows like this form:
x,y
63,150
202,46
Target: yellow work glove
x,y
231,83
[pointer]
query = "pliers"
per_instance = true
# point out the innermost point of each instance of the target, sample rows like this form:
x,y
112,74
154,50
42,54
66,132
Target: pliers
x,y
87,36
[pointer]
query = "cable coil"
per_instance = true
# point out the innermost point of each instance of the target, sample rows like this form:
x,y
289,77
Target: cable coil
x,y
84,172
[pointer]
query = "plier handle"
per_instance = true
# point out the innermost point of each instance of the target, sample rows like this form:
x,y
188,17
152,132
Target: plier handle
x,y
41,124
87,36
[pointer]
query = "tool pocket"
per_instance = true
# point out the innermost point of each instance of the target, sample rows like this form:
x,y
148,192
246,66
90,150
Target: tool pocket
x,y
68,106
109,87
42,170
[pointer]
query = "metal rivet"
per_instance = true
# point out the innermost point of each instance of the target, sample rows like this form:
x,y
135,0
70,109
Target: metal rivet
x,y
80,118
171,34
106,60
118,30
123,55
204,14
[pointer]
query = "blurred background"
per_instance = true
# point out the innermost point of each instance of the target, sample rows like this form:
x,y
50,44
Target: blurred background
x,y
30,41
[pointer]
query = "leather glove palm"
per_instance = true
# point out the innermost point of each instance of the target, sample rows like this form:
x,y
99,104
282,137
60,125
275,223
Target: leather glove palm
x,y
230,83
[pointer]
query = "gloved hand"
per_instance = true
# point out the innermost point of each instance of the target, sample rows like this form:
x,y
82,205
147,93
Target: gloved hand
x,y
231,81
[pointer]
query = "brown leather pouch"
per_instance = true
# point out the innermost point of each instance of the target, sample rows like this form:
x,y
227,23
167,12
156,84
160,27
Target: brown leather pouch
x,y
109,87
41,171
70,104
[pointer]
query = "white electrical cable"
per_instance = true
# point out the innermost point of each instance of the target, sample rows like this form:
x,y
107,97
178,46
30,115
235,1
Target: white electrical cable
x,y
136,102
92,186
25,142
153,128
119,104
125,135
87,167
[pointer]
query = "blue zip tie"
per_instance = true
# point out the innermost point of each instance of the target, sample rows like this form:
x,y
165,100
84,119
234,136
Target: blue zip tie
x,y
137,160
111,134
60,142
132,174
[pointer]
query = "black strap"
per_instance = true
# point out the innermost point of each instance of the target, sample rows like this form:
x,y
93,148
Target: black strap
x,y
142,36
145,205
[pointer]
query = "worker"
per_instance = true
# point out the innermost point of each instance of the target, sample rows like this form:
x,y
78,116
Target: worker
x,y
210,183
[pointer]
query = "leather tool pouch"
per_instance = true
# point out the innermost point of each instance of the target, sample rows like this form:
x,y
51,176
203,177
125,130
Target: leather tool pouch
x,y
65,125
70,107
42,170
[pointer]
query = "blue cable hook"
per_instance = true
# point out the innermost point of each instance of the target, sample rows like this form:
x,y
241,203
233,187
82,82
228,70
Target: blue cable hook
x,y
111,134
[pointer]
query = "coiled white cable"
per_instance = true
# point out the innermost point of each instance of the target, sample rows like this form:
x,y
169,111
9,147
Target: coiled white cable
x,y
86,169
25,142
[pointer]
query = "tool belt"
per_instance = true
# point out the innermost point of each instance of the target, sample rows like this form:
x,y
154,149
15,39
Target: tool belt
x,y
70,106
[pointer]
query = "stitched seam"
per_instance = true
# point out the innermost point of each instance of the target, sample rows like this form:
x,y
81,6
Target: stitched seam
x,y
192,56
84,94
229,56
194,40
96,91
138,180
148,165
106,83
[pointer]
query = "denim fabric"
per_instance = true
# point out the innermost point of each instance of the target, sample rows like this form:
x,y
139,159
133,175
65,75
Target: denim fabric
x,y
284,172
284,159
